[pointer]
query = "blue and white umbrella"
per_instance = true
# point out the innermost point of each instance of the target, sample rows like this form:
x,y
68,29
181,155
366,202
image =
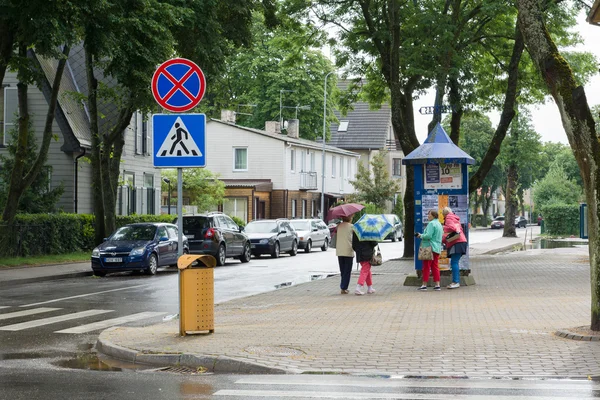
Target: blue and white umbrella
x,y
373,227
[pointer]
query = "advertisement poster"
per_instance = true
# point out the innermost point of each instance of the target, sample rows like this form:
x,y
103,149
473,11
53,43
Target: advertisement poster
x,y
442,176
459,206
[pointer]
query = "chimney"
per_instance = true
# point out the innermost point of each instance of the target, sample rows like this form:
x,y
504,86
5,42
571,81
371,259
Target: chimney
x,y
228,116
272,127
293,128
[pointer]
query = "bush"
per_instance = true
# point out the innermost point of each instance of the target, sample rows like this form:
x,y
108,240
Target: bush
x,y
479,220
399,209
41,234
238,221
561,219
369,209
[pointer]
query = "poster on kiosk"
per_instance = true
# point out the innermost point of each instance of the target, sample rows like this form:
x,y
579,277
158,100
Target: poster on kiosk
x,y
441,180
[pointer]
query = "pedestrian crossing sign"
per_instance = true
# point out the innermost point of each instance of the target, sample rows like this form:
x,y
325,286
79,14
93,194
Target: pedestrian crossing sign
x,y
179,140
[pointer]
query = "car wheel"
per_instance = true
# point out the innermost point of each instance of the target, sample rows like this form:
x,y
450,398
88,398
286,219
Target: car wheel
x,y
401,237
221,255
245,257
294,250
275,252
394,238
152,265
308,247
325,245
99,273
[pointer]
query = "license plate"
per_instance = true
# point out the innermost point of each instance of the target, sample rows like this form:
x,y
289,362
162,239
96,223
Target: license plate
x,y
113,260
189,236
252,245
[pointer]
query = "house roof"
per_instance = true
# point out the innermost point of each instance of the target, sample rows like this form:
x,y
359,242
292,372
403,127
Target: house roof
x,y
297,141
362,127
78,123
438,148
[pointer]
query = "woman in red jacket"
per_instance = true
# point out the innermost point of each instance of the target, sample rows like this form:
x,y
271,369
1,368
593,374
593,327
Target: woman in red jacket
x,y
456,243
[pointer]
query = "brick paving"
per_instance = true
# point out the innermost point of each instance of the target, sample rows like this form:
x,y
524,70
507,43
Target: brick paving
x,y
502,327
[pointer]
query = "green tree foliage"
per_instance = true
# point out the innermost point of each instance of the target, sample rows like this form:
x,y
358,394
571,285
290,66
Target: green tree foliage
x,y
285,67
203,187
377,188
37,198
556,188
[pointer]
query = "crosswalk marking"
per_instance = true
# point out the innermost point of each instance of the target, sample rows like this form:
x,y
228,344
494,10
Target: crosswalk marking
x,y
52,320
111,322
83,295
372,395
25,313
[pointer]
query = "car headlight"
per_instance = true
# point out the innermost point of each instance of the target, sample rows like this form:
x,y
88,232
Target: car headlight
x,y
264,241
137,251
96,252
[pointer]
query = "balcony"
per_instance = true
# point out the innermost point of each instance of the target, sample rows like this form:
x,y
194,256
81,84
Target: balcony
x,y
308,180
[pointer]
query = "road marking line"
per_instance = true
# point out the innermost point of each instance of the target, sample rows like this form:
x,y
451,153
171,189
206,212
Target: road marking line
x,y
4,306
83,295
52,320
303,380
111,322
27,312
367,395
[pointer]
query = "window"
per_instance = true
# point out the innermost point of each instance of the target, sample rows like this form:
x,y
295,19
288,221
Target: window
x,y
145,136
314,208
293,160
137,134
302,161
11,110
148,180
172,232
48,172
333,165
304,203
240,159
343,126
162,232
397,167
236,207
294,205
129,179
349,167
312,162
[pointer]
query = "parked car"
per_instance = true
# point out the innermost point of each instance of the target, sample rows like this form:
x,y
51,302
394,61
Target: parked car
x,y
520,222
498,223
311,232
397,233
217,235
138,247
272,236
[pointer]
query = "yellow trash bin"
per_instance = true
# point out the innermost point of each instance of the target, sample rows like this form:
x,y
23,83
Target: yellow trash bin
x,y
196,293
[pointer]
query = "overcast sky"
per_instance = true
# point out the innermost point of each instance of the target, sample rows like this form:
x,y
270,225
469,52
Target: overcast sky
x,y
546,119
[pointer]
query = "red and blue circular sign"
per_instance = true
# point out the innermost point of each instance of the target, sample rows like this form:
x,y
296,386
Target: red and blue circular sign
x,y
178,85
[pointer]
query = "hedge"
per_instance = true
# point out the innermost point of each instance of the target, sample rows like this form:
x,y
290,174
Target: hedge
x,y
41,234
561,219
479,220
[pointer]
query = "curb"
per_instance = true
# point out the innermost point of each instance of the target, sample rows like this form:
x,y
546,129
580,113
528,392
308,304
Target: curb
x,y
4,283
215,364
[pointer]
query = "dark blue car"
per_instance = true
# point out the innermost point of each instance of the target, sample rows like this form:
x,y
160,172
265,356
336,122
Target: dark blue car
x,y
138,247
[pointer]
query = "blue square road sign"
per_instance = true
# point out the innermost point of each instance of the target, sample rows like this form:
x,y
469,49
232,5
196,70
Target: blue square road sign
x,y
179,140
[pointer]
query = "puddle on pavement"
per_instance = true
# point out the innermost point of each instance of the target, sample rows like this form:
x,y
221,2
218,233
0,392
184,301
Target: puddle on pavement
x,y
312,277
554,244
91,361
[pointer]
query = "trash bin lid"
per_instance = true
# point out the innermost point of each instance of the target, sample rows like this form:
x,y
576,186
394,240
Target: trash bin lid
x,y
196,261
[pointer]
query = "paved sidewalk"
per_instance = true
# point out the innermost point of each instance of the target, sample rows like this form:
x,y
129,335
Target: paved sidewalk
x,y
14,275
502,327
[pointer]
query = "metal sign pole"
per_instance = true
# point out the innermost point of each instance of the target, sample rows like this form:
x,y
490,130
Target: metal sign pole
x,y
180,237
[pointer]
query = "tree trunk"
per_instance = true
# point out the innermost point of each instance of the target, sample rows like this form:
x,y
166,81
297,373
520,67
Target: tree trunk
x,y
511,202
508,113
579,126
95,155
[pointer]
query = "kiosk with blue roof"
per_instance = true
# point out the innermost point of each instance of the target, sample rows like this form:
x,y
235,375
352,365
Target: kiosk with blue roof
x,y
441,179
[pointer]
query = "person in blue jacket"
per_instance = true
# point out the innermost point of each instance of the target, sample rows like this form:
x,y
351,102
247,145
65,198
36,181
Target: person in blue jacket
x,y
432,236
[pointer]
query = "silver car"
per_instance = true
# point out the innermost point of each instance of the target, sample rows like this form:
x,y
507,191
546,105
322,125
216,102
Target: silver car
x,y
311,233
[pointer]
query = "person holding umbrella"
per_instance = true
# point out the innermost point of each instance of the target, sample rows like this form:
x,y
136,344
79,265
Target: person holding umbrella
x,y
344,251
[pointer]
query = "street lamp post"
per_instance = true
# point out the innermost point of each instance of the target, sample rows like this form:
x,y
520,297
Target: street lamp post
x,y
323,155
168,182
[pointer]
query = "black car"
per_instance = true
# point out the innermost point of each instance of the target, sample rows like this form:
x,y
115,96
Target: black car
x,y
217,235
138,247
397,233
272,236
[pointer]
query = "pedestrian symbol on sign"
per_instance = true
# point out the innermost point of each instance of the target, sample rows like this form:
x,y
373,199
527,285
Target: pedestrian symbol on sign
x,y
178,142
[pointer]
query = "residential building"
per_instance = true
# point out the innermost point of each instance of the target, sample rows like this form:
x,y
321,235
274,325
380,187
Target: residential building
x,y
273,175
68,155
367,132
